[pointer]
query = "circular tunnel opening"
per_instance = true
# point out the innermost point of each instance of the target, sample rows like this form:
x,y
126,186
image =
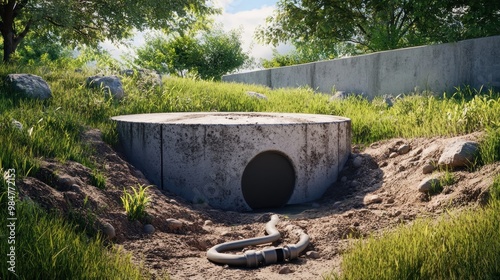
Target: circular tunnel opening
x,y
268,181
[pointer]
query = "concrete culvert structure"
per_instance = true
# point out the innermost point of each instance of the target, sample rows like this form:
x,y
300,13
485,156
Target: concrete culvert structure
x,y
238,161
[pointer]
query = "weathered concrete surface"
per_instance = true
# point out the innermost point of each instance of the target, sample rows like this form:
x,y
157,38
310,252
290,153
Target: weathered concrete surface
x,y
437,68
202,156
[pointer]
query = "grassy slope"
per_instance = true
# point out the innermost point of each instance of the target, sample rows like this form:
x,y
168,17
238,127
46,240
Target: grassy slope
x,y
52,129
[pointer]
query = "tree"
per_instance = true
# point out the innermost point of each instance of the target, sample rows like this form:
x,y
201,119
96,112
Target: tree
x,y
167,54
305,54
375,25
38,48
89,22
221,53
209,54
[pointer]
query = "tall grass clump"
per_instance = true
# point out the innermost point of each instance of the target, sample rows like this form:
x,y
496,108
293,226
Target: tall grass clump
x,y
495,188
490,146
48,247
459,246
135,203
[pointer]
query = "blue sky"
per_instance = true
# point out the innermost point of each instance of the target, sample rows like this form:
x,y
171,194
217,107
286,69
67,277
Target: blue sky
x,y
246,5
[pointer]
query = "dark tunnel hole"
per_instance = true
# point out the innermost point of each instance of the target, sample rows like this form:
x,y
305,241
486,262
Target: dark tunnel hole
x,y
268,181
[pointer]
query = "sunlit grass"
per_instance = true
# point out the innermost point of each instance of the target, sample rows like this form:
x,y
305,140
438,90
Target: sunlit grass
x,y
461,245
53,129
48,247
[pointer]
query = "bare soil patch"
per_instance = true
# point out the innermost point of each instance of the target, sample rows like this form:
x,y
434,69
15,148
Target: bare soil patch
x,y
372,195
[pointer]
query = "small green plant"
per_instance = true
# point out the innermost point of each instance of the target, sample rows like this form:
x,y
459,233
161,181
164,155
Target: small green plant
x,y
135,203
98,179
490,146
495,189
436,187
447,179
83,219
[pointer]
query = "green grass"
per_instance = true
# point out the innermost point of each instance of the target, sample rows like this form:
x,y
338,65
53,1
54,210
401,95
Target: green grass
x,y
48,247
495,189
490,147
53,128
458,246
98,179
135,203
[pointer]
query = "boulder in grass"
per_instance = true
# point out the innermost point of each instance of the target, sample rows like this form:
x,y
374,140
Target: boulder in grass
x,y
459,154
28,85
111,85
430,185
256,95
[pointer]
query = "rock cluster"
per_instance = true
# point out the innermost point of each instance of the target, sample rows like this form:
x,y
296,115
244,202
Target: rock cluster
x,y
458,154
32,86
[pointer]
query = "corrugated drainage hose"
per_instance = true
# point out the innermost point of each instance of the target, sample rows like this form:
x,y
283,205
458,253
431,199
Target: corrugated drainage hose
x,y
253,258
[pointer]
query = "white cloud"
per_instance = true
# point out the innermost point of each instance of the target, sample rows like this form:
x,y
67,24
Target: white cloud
x,y
247,22
223,3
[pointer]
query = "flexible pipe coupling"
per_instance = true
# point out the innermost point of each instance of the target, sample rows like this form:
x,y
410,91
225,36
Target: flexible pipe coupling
x,y
255,258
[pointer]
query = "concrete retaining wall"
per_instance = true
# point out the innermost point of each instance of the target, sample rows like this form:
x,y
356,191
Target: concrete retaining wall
x,y
437,68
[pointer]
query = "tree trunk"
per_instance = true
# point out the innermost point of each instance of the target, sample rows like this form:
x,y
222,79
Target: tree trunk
x,y
8,45
11,40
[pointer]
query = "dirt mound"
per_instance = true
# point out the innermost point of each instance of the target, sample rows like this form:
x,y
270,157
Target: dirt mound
x,y
377,190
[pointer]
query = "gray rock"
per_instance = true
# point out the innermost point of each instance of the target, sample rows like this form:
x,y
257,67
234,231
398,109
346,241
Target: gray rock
x,y
354,183
208,223
174,224
111,85
339,95
127,72
28,85
312,255
428,184
459,154
65,182
428,168
256,95
149,229
285,270
372,199
17,124
108,230
404,149
357,162
393,155
388,101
